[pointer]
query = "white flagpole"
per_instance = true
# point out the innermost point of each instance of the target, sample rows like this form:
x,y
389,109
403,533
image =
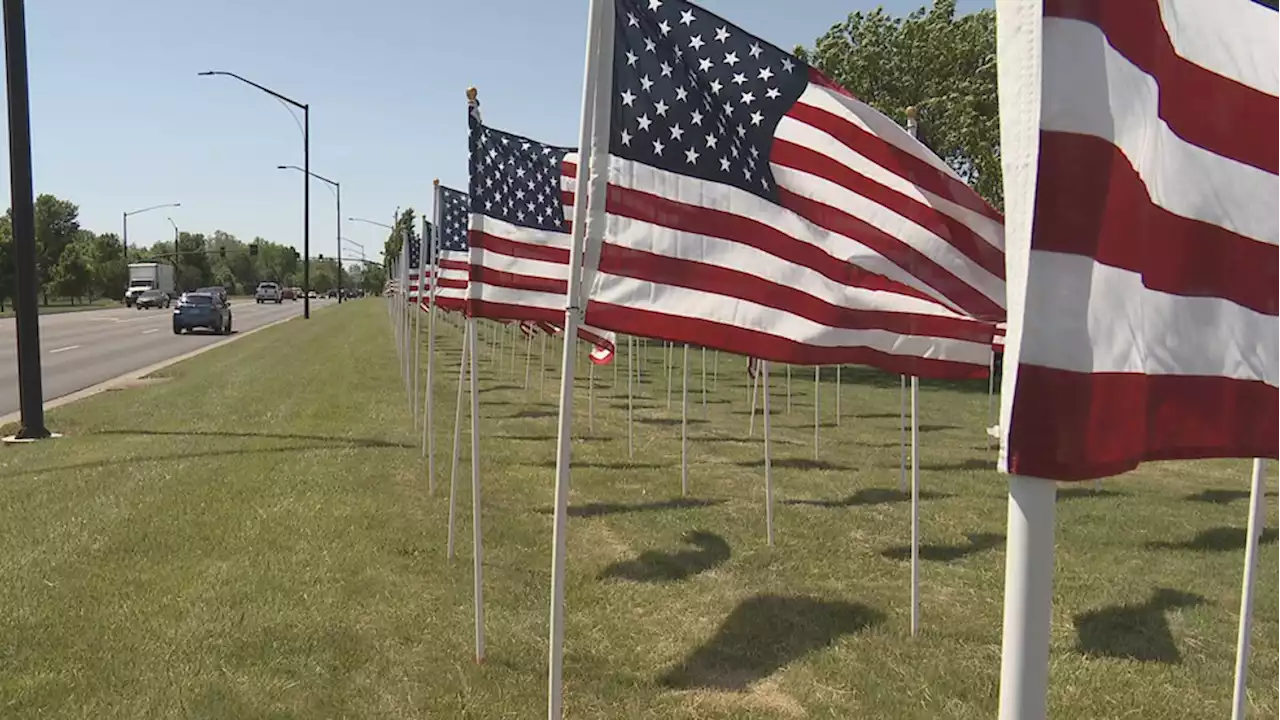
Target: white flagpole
x,y
684,422
457,436
528,359
591,396
715,371
755,392
902,434
1257,521
417,339
991,393
788,388
615,364
837,396
704,382
542,368
768,460
671,362
915,507
597,93
477,545
515,343
631,450
1028,599
817,372
428,428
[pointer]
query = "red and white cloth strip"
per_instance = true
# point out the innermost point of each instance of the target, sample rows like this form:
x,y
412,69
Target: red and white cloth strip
x,y
452,279
1149,328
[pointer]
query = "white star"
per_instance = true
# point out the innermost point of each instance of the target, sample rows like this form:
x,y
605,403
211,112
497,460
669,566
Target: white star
x,y
742,132
644,121
739,78
654,5
765,74
715,86
755,50
691,156
664,27
650,45
754,152
704,64
632,21
628,98
787,64
631,59
724,164
746,172
661,108
646,83
696,119
722,33
764,183
666,70
681,94
748,98
658,147
728,108
626,139
696,43
772,93
731,59
677,132
711,141
756,119
686,17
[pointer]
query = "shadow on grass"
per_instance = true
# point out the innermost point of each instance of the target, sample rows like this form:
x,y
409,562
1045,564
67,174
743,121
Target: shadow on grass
x,y
495,388
668,422
337,439
601,509
615,465
969,464
1085,492
1221,497
1219,539
794,464
534,414
869,496
128,461
978,542
710,551
765,633
544,437
1134,632
878,416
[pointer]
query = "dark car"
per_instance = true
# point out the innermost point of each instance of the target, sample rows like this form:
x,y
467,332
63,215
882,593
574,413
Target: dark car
x,y
202,310
152,299
215,290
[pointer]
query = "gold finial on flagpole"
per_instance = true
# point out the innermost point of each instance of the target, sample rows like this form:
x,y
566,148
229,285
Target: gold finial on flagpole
x,y
471,93
912,113
436,181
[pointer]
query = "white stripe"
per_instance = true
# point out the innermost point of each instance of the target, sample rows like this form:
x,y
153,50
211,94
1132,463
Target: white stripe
x,y
63,349
644,295
1090,317
1236,39
1091,89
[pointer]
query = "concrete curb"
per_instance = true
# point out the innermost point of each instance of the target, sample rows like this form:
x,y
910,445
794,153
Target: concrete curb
x,y
133,375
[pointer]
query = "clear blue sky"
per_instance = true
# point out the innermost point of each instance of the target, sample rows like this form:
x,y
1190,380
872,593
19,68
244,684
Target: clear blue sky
x,y
120,120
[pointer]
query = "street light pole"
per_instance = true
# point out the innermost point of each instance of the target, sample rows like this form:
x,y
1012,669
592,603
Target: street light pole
x,y
30,387
124,224
306,182
337,189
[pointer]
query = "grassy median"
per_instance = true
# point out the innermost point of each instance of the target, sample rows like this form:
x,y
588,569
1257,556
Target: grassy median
x,y
250,535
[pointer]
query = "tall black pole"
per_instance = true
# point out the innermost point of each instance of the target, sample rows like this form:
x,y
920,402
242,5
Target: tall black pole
x,y
124,230
30,389
338,191
306,211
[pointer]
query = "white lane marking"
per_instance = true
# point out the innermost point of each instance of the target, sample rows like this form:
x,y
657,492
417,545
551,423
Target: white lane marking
x,y
148,332
63,349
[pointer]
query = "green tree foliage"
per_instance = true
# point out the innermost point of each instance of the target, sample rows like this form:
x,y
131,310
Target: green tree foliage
x,y
7,278
57,226
940,63
405,230
72,277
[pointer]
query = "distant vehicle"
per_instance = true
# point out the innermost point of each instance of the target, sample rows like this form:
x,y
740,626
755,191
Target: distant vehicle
x,y
148,276
332,294
312,294
152,299
268,292
215,290
288,293
202,310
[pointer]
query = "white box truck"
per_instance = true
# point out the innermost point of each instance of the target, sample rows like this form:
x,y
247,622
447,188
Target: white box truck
x,y
148,276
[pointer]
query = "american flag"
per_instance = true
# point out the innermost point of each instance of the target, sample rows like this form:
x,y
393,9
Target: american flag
x,y
1148,330
519,234
455,253
756,207
413,252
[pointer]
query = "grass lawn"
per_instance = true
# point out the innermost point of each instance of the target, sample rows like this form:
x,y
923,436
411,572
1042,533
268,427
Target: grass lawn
x,y
252,537
61,305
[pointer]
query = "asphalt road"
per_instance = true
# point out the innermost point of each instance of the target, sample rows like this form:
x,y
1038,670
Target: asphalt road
x,y
80,349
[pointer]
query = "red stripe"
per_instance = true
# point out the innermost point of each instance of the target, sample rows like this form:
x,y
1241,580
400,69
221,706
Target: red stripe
x,y
455,265
515,281
646,323
453,284
1079,426
662,212
948,229
663,270
451,304
526,251
545,317
895,160
909,259
1202,107
1091,202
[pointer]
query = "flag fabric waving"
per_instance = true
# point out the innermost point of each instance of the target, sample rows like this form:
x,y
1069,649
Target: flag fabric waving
x,y
755,206
413,255
1148,330
518,231
454,266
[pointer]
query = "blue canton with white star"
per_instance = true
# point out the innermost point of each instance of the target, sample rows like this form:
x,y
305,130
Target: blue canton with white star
x,y
516,180
414,253
695,95
455,211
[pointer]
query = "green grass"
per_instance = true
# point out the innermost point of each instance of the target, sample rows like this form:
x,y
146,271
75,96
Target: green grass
x,y
62,305
252,537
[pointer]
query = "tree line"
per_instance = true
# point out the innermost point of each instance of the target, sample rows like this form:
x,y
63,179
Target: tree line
x,y
79,265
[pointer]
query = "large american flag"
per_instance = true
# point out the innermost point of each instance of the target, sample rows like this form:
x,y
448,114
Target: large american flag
x,y
454,265
756,207
1149,330
518,231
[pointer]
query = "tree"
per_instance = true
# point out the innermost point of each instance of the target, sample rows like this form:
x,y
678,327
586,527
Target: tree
x,y
372,279
405,230
110,270
942,64
57,226
7,290
72,277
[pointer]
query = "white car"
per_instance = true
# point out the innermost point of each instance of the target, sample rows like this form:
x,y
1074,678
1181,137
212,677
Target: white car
x,y
268,292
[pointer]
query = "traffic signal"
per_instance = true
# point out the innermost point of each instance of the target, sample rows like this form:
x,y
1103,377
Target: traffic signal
x,y
253,249
321,257
222,252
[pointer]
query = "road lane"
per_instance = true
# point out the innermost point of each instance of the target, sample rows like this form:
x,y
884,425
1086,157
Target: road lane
x,y
85,348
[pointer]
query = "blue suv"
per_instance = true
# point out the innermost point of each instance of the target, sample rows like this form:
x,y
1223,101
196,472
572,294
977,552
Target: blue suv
x,y
202,310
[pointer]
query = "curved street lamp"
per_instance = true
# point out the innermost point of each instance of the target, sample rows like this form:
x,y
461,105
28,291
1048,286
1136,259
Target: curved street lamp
x,y
337,190
124,224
